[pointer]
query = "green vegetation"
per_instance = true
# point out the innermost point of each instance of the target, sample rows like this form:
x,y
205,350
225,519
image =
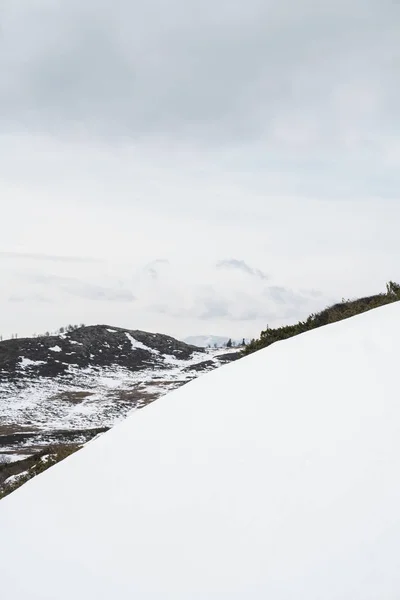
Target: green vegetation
x,y
337,312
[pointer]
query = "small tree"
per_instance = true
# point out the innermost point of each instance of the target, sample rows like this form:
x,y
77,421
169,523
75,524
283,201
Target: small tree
x,y
393,289
229,343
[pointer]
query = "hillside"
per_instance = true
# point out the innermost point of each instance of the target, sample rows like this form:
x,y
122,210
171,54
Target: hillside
x,y
93,346
331,314
272,477
58,392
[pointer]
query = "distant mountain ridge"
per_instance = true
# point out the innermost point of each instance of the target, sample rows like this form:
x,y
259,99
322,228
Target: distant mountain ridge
x,y
210,341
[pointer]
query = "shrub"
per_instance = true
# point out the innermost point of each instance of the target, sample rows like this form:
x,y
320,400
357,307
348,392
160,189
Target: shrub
x,y
331,314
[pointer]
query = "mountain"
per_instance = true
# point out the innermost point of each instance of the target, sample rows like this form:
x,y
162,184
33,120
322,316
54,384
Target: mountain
x,y
275,476
57,392
211,341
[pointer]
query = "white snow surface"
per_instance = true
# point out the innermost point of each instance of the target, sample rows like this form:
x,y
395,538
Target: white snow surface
x,y
139,345
27,362
42,402
274,477
56,349
9,458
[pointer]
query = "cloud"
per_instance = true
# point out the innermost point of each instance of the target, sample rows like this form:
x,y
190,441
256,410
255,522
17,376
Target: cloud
x,y
47,257
30,298
153,268
215,309
265,132
240,265
267,68
282,295
85,290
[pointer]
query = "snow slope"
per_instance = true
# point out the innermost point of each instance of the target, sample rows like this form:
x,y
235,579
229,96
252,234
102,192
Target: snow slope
x,y
99,375
273,477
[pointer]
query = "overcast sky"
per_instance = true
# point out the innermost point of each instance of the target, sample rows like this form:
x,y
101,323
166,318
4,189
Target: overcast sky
x,y
196,166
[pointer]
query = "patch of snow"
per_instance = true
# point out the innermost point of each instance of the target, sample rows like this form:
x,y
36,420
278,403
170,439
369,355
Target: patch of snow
x,y
41,401
55,349
112,330
275,476
14,478
11,458
74,342
138,345
27,362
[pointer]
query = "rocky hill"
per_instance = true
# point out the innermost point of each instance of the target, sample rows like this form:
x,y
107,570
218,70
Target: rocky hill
x,y
95,346
57,392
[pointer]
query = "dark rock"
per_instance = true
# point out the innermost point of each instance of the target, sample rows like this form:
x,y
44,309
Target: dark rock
x,y
229,357
201,366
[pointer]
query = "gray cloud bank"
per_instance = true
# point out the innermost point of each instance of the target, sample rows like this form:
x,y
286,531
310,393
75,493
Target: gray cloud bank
x,y
241,265
47,257
216,71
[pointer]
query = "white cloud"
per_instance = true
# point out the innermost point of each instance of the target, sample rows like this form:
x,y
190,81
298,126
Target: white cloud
x,y
191,133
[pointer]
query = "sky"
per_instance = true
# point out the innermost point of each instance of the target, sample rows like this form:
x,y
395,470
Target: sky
x,y
194,167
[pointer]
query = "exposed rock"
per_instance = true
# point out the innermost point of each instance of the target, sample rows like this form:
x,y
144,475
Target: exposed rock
x,y
201,366
229,357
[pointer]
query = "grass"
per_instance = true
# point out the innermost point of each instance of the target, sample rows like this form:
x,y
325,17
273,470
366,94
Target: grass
x,y
331,314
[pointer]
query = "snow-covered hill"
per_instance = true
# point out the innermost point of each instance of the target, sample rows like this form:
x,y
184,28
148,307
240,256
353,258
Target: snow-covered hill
x,y
64,389
274,477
